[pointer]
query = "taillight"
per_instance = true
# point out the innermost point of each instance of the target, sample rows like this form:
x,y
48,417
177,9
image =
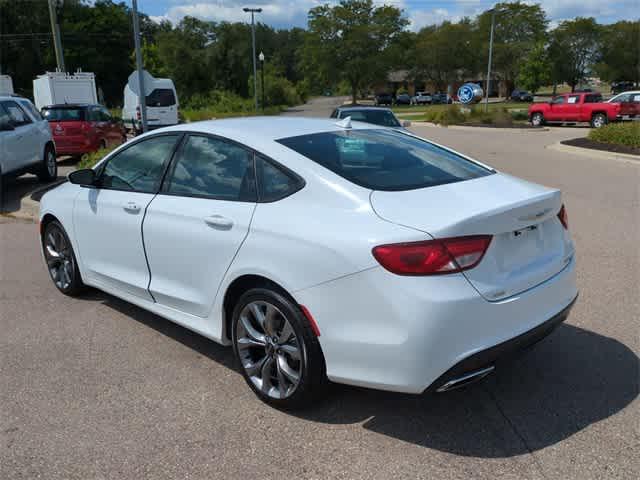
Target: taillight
x,y
433,257
564,219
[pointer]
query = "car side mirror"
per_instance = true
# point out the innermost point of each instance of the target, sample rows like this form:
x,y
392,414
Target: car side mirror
x,y
85,177
406,123
6,125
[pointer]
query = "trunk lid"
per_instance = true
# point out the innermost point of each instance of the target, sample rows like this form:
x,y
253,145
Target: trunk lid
x,y
529,243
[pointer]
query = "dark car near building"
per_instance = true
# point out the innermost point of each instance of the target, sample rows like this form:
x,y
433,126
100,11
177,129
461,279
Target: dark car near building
x,y
403,99
384,99
521,96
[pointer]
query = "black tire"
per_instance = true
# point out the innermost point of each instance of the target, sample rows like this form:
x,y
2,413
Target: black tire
x,y
537,119
75,286
599,120
313,381
48,169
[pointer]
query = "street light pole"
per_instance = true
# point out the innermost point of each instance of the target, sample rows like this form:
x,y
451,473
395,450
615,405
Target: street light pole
x,y
261,58
488,82
55,30
253,45
142,94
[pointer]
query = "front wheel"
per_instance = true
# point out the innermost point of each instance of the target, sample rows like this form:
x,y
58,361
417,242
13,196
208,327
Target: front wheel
x,y
598,120
277,349
48,170
537,120
61,260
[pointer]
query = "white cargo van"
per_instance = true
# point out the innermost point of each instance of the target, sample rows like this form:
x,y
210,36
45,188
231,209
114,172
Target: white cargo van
x,y
55,88
6,85
161,102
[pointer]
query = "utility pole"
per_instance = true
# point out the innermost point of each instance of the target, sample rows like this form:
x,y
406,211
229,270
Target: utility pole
x,y
253,45
261,58
55,30
488,82
142,96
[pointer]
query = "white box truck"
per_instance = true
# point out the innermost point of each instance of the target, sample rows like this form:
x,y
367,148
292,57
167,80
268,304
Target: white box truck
x,y
55,88
6,85
161,101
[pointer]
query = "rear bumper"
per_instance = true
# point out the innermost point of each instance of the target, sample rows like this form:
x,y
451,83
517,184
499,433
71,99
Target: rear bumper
x,y
485,360
410,334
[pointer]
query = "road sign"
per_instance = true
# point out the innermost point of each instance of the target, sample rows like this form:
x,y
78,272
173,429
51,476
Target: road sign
x,y
147,80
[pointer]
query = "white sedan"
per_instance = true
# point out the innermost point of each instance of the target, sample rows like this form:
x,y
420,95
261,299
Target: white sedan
x,y
319,251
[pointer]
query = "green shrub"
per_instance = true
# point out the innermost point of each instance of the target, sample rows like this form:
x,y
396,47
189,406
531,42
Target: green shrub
x,y
519,115
89,160
500,117
627,133
451,115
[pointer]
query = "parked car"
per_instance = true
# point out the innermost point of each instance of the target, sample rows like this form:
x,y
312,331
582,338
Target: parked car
x,y
161,105
79,129
575,108
26,145
353,253
403,99
374,115
421,98
441,98
521,96
629,105
383,99
619,87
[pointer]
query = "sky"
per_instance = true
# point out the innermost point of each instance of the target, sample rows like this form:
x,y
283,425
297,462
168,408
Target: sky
x,y
288,13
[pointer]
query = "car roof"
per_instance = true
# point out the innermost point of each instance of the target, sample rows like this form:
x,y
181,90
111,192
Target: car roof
x,y
72,105
12,96
363,107
253,130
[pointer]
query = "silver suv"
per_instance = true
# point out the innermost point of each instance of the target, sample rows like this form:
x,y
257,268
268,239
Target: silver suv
x,y
26,145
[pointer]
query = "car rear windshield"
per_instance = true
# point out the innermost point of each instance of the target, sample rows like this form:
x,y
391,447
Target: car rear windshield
x,y
161,97
385,159
64,114
377,117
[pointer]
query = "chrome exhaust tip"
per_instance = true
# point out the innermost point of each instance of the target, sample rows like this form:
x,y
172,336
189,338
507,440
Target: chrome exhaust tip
x,y
465,379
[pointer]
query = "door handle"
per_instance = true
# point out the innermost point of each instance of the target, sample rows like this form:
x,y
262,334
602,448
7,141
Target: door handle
x,y
219,222
131,207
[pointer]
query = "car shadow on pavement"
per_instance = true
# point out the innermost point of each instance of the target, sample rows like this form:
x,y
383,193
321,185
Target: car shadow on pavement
x,y
562,385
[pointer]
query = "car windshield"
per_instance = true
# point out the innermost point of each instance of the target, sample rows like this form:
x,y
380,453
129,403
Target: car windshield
x,y
385,159
384,118
64,114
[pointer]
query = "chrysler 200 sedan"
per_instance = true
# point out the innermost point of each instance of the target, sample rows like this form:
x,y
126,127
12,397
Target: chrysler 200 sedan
x,y
320,251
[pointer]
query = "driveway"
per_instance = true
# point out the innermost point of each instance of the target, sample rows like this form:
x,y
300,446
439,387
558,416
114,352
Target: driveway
x,y
96,388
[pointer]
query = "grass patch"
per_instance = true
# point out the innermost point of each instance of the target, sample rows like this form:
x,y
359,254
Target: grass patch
x,y
208,113
498,115
623,133
89,160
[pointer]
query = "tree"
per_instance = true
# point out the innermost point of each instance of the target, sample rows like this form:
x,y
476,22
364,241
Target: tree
x,y
574,48
535,71
443,53
351,41
620,53
518,28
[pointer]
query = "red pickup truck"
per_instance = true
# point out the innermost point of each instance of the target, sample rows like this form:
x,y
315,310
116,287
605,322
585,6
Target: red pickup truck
x,y
578,107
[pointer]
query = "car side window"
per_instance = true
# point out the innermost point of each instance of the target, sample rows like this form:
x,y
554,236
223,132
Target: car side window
x,y
17,115
558,101
212,168
139,167
93,114
275,183
105,116
28,106
573,99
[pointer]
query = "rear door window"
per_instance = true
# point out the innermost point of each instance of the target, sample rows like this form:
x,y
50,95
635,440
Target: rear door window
x,y
161,97
385,159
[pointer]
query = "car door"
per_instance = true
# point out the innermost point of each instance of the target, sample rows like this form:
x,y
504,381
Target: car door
x,y
571,109
107,219
555,112
98,126
22,145
196,224
111,134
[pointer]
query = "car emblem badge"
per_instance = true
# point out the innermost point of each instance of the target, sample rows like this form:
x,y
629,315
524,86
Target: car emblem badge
x,y
534,216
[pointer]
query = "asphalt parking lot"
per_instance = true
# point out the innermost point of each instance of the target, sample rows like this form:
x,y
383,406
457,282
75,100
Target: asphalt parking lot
x,y
94,388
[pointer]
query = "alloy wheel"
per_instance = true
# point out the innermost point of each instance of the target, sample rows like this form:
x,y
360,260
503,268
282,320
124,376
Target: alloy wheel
x,y
271,353
51,164
59,258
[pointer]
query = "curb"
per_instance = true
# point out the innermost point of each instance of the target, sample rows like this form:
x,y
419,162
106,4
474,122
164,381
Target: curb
x,y
589,152
476,129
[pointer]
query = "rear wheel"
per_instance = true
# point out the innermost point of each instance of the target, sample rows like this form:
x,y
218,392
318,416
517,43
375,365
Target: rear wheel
x,y
61,260
537,119
598,120
279,354
48,170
